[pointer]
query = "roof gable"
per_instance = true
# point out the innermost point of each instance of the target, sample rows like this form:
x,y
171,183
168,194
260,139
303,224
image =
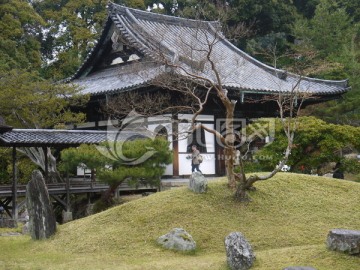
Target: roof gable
x,y
186,42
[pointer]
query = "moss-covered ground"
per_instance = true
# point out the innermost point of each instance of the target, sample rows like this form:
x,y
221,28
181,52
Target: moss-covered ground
x,y
286,223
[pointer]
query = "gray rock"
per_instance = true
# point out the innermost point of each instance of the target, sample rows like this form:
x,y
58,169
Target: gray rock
x,y
67,216
25,228
299,268
42,223
198,183
239,253
343,240
89,209
177,239
11,234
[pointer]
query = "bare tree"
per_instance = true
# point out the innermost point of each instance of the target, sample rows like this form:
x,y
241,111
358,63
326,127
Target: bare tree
x,y
37,156
144,103
289,105
195,69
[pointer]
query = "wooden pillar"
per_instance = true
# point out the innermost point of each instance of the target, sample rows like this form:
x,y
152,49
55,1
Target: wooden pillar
x,y
14,186
219,152
68,206
92,178
175,143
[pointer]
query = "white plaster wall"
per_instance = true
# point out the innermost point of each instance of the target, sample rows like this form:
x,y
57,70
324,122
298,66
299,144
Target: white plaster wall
x,y
207,166
169,168
210,139
202,117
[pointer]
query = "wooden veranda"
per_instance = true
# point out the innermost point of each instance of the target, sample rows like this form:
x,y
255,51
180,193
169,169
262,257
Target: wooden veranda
x,y
44,138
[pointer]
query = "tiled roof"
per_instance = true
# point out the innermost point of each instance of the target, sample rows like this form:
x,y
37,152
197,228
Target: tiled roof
x,y
185,41
116,78
54,137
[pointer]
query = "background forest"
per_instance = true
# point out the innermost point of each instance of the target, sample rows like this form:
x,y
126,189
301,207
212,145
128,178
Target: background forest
x,y
45,41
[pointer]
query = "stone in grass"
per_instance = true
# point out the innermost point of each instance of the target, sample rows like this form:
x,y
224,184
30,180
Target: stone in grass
x,y
299,268
198,183
177,239
239,253
42,223
343,240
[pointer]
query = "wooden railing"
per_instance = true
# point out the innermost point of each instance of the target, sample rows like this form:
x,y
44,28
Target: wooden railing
x,y
75,186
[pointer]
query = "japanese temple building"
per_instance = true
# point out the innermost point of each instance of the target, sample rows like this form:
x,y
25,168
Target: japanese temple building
x,y
126,58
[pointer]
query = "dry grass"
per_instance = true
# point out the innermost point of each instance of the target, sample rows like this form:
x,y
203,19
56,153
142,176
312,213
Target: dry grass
x,y
286,223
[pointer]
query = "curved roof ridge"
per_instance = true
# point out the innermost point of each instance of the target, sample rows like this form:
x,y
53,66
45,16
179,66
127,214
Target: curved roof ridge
x,y
138,28
279,72
131,37
90,54
337,82
142,14
252,59
143,42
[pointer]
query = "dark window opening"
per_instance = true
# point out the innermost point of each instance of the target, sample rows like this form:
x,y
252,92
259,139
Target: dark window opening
x,y
197,138
161,131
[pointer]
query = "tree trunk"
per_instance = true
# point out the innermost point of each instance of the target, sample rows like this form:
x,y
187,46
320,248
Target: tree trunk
x,y
54,175
37,155
246,184
229,163
230,151
108,196
241,194
242,188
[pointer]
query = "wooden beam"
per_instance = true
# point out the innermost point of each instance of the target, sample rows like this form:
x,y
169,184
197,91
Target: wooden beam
x,y
68,204
20,204
14,186
175,142
59,200
5,205
219,153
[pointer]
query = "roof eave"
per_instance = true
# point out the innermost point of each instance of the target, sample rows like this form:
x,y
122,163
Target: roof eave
x,y
93,53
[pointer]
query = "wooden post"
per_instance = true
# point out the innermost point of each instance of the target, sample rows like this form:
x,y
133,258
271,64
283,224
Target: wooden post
x,y
67,192
219,152
92,178
88,196
175,142
14,186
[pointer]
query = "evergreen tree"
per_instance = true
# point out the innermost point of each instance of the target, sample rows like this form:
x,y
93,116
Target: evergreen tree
x,y
333,38
72,29
112,166
20,27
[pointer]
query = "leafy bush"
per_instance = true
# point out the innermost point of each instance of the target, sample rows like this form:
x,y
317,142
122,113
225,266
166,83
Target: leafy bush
x,y
315,143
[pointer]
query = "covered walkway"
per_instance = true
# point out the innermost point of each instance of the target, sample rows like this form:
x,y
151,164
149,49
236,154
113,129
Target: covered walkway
x,y
44,138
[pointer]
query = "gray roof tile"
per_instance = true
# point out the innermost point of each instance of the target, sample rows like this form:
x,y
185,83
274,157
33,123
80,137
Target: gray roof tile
x,y
119,78
54,137
188,39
